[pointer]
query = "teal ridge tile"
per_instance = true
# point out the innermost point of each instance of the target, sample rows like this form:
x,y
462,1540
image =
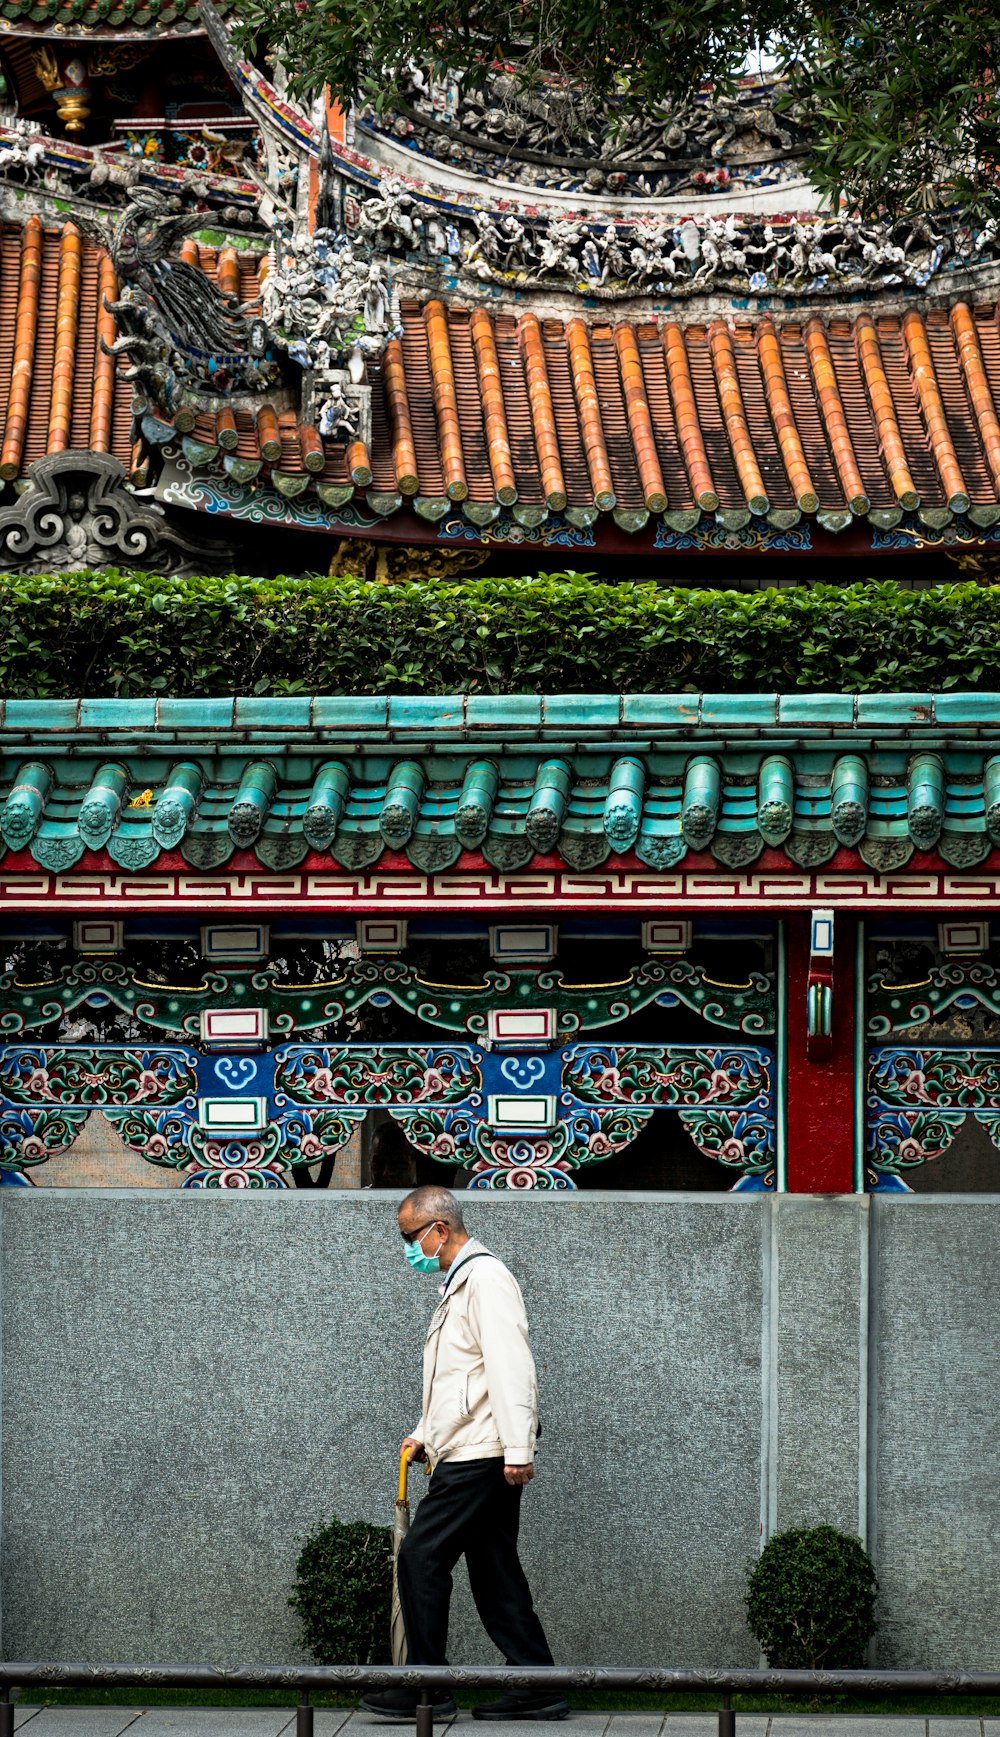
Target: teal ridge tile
x,y
503,711
815,708
425,712
117,714
286,713
968,709
739,711
899,709
661,711
581,711
214,714
350,712
41,715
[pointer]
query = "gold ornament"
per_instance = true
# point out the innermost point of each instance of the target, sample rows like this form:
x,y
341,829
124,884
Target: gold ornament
x,y
110,58
395,563
47,69
69,86
982,566
73,109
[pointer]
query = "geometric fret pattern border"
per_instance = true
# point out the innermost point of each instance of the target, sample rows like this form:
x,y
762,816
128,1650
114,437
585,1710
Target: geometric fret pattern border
x,y
488,890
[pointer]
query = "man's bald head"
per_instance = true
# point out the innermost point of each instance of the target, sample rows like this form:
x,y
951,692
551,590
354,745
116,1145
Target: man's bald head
x,y
437,1204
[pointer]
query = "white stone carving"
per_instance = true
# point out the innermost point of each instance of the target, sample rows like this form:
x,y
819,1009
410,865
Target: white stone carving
x,y
328,300
805,258
559,138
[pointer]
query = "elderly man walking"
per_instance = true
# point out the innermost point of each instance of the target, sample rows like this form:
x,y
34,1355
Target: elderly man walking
x,y
478,1430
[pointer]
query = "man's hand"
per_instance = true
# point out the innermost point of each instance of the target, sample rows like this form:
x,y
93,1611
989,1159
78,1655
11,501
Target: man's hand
x,y
519,1474
413,1449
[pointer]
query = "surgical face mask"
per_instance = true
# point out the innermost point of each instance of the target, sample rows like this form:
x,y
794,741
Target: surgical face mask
x,y
420,1262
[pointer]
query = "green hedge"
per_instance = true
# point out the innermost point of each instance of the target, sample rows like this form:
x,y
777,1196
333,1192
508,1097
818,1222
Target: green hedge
x,y
133,633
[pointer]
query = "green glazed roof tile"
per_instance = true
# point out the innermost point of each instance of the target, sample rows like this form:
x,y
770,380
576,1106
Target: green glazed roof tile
x,y
812,803
253,712
425,712
41,714
60,803
582,711
664,710
349,711
117,714
899,709
196,714
968,709
503,711
815,708
739,709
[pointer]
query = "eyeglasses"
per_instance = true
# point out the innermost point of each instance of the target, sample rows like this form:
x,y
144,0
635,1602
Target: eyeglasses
x,y
415,1235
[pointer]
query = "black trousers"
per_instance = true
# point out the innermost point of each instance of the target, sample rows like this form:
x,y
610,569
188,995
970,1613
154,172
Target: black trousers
x,y
469,1510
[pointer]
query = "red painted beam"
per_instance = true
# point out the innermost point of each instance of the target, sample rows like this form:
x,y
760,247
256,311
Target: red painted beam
x,y
820,1094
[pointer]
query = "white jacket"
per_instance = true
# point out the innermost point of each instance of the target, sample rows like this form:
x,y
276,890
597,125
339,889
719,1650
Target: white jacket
x,y
480,1386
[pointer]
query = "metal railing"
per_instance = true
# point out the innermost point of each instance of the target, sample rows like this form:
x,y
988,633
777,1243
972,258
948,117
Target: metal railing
x,y
424,1679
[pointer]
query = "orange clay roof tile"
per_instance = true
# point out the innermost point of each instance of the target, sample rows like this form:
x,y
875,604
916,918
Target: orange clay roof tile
x,y
57,388
495,409
825,416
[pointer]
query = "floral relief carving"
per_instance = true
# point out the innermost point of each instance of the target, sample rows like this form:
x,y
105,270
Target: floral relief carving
x,y
460,1106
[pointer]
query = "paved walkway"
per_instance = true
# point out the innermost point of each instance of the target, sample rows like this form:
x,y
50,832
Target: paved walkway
x,y
276,1722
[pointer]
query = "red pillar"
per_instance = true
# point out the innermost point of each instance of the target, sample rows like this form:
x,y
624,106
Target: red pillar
x,y
819,1096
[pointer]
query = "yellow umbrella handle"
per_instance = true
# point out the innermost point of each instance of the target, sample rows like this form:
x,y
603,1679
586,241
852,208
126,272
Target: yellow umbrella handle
x,y
404,1467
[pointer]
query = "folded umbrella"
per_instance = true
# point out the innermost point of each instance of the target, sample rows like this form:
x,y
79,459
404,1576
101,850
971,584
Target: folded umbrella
x,y
400,1527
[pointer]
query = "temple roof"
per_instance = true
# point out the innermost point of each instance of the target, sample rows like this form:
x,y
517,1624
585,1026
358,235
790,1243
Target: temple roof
x,y
476,416
437,782
58,390
821,417
484,421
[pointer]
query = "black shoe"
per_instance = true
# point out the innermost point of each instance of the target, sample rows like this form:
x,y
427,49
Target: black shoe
x,y
524,1704
401,1704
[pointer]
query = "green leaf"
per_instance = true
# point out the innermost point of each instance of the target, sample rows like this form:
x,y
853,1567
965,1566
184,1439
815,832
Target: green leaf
x,y
129,632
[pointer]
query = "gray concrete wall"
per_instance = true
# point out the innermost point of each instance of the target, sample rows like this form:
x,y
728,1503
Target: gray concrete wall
x,y
190,1380
935,1433
815,1460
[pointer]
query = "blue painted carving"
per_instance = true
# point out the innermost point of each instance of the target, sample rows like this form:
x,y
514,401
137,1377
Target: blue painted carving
x,y
150,1097
579,1106
30,1137
98,1076
672,1074
708,533
386,1074
554,532
917,1100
